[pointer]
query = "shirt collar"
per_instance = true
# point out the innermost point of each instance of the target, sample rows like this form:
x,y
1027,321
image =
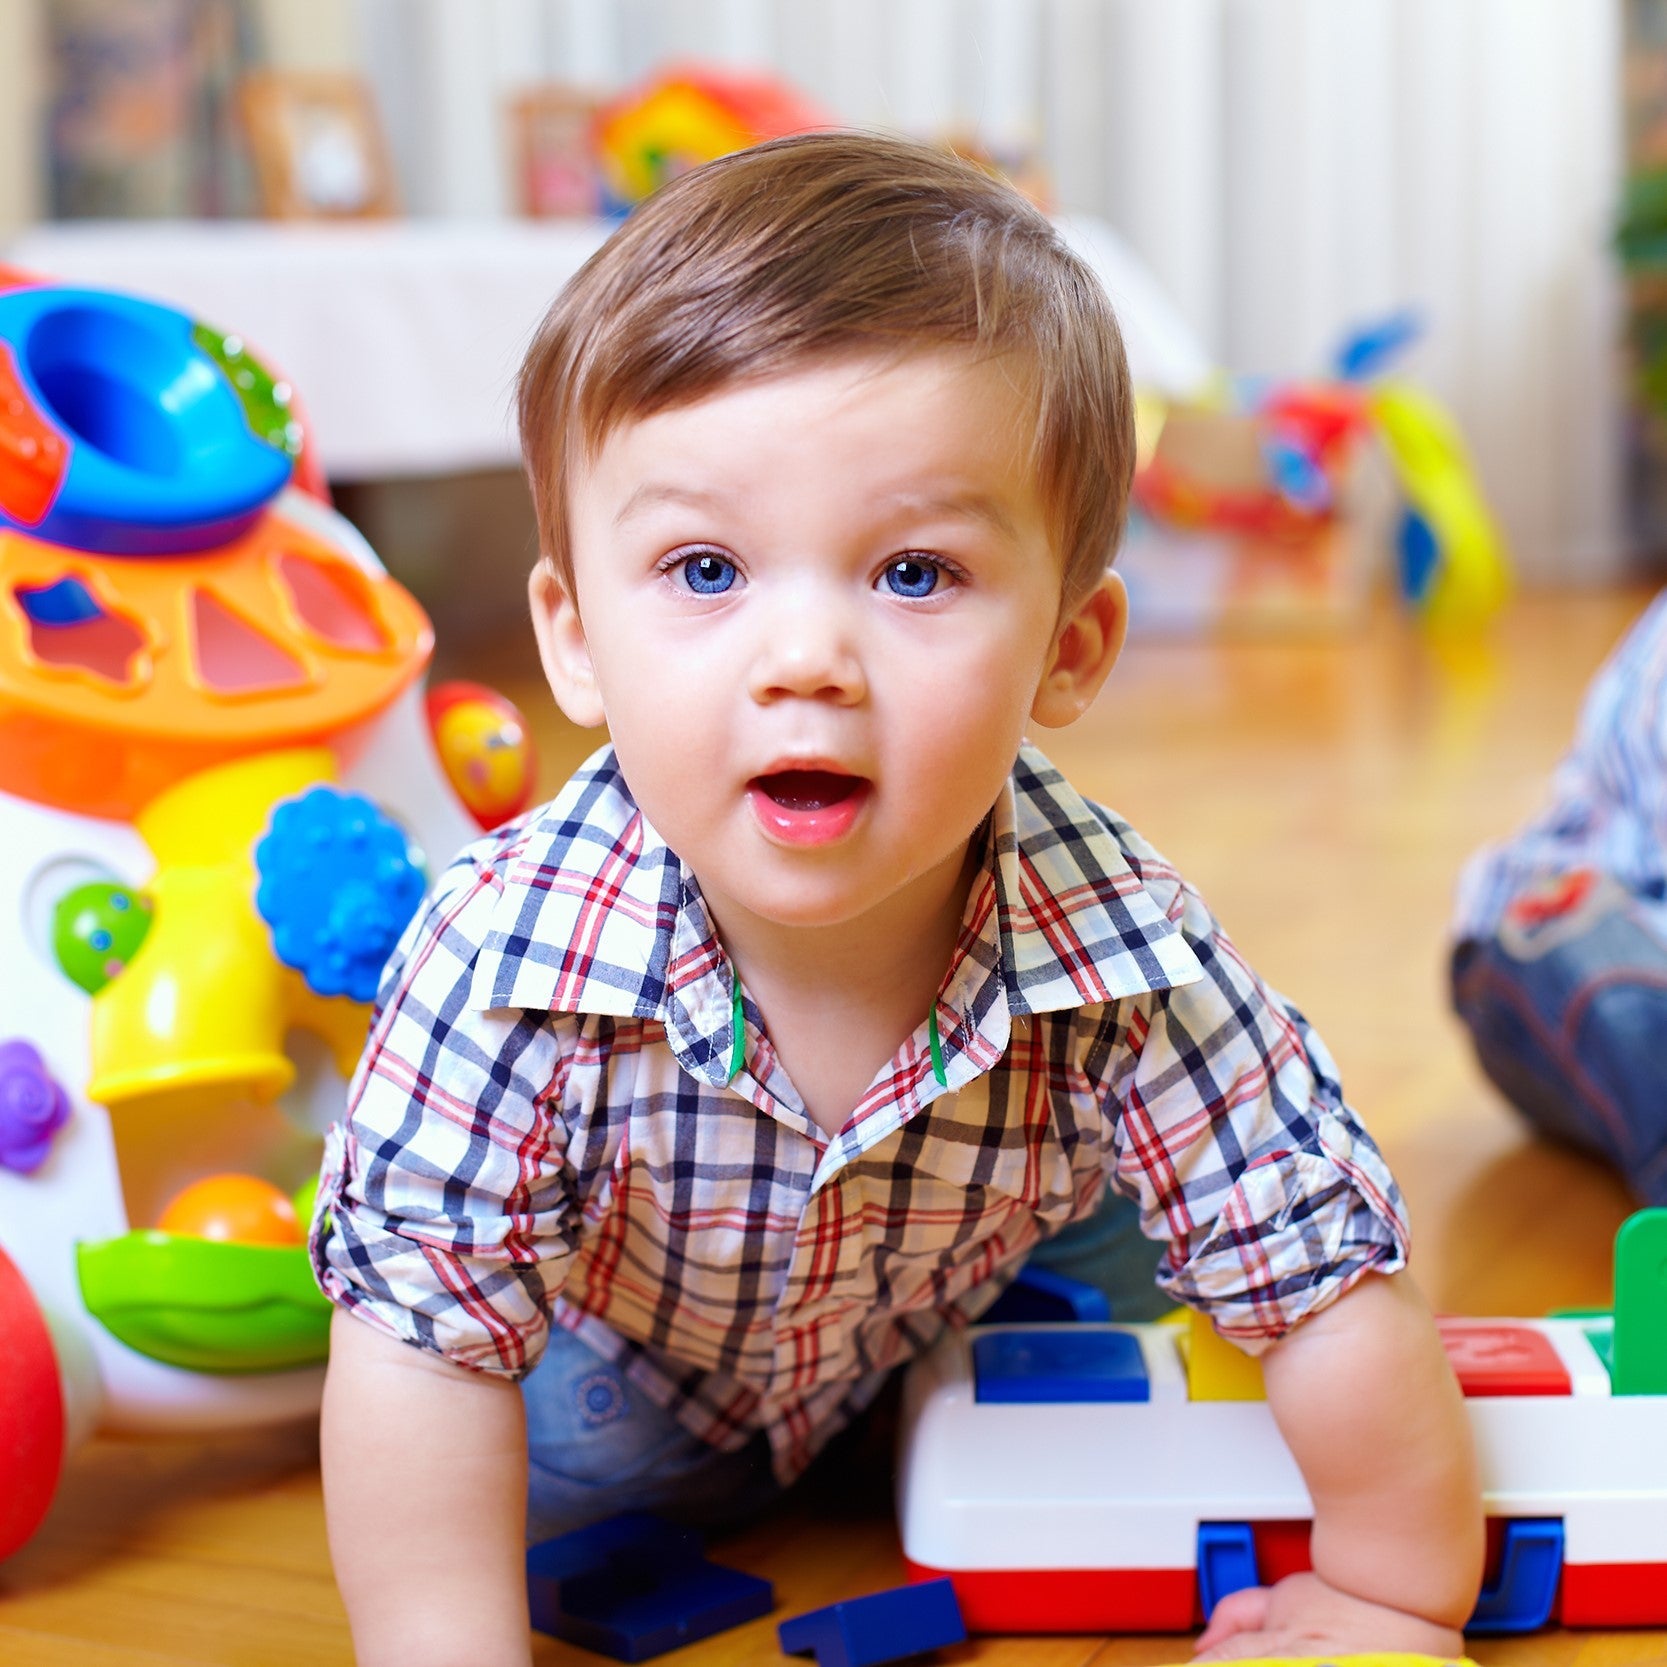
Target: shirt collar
x,y
1084,904
598,915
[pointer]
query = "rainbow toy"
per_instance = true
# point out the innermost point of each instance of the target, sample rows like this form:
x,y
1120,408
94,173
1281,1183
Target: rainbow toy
x,y
687,115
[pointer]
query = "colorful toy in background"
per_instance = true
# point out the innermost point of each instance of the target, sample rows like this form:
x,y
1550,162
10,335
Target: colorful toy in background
x,y
687,115
1453,563
485,748
218,775
577,153
1269,471
1123,1478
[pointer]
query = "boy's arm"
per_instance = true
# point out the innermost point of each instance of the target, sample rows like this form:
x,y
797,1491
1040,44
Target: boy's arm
x,y
425,1481
1366,1400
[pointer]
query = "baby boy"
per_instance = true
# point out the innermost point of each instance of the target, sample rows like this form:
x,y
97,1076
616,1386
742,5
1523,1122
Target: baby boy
x,y
699,1100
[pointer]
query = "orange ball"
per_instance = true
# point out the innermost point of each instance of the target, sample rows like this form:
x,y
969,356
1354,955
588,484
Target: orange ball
x,y
235,1209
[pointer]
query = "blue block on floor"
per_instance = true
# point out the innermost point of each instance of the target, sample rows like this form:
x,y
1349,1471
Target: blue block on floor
x,y
1065,1364
1040,1296
634,1534
634,1587
884,1626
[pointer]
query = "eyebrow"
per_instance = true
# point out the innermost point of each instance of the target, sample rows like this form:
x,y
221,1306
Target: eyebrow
x,y
971,505
966,506
652,493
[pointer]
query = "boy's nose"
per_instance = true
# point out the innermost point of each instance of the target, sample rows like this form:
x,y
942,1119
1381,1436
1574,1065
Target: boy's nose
x,y
807,649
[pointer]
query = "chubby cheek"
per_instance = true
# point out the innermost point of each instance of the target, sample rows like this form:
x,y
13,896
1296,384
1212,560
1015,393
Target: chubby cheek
x,y
974,705
671,746
952,789
670,758
961,745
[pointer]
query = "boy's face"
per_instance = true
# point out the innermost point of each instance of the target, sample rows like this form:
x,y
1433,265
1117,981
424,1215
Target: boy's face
x,y
816,611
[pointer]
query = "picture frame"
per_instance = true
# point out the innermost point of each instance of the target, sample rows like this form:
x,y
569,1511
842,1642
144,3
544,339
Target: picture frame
x,y
317,146
555,164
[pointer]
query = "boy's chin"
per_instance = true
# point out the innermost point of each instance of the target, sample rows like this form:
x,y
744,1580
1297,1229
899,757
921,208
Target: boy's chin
x,y
822,896
797,908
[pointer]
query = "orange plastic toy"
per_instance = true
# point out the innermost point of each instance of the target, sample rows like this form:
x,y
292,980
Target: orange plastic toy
x,y
184,663
234,1209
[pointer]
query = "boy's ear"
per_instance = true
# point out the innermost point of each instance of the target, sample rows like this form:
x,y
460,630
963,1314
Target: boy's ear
x,y
1085,648
562,647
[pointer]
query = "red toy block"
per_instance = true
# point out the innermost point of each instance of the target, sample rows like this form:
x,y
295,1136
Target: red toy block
x,y
1071,1600
1282,1549
1497,1357
1613,1594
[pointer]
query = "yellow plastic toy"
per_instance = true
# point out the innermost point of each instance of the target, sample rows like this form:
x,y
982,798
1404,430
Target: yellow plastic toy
x,y
1468,578
1216,1369
206,1008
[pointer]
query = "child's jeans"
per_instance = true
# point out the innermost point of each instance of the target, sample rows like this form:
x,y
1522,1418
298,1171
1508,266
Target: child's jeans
x,y
1567,1007
598,1446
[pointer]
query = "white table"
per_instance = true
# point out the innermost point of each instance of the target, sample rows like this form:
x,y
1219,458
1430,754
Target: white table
x,y
403,337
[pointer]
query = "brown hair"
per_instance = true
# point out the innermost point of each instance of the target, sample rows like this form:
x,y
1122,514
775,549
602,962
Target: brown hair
x,y
824,244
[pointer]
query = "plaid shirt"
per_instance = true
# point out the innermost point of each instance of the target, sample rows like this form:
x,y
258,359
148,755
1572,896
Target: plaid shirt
x,y
548,1123
1608,800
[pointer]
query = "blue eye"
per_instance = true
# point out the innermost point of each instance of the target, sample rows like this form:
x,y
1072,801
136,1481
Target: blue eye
x,y
909,577
708,574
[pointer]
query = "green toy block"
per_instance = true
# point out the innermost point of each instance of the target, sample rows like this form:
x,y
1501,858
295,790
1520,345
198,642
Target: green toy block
x,y
1640,1360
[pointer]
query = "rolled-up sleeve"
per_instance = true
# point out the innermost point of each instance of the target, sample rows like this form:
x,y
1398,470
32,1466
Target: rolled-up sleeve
x,y
1232,1134
443,1214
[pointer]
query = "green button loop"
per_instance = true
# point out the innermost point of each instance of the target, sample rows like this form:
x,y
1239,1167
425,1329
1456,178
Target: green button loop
x,y
737,1035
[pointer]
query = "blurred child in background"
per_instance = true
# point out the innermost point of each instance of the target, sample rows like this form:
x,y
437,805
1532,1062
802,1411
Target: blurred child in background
x,y
1559,964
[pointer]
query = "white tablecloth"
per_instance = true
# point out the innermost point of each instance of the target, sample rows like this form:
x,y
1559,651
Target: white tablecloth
x,y
403,337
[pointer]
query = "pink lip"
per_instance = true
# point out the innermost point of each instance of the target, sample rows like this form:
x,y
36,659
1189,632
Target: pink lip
x,y
807,803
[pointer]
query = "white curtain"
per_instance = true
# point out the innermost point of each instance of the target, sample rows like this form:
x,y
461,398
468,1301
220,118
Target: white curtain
x,y
1287,169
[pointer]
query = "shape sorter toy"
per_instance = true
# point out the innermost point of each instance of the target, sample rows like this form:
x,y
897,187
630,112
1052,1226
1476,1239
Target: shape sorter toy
x,y
1122,1478
218,777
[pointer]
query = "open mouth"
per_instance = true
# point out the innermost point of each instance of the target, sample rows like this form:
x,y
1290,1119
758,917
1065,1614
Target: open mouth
x,y
807,807
808,789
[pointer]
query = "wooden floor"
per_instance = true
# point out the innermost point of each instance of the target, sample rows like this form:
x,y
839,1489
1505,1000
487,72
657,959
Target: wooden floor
x,y
1322,796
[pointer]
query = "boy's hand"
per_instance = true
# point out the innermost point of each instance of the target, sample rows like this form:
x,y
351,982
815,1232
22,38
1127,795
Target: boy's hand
x,y
1302,1615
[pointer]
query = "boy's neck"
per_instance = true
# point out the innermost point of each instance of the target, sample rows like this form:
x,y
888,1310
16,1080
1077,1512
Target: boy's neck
x,y
853,991
903,946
